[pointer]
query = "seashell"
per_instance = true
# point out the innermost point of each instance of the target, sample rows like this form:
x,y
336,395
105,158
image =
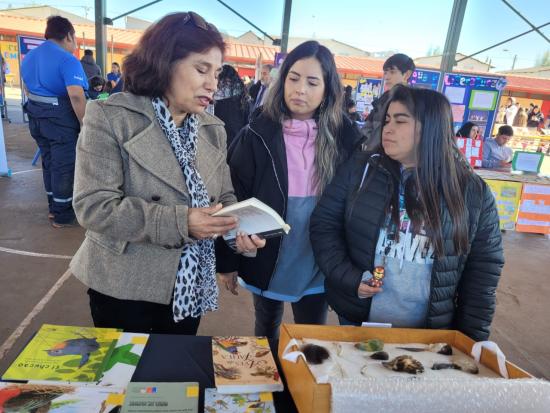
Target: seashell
x,y
465,364
441,348
314,354
372,344
404,363
380,355
339,349
364,370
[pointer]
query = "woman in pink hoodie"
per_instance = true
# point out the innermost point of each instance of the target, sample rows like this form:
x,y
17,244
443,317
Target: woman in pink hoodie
x,y
285,157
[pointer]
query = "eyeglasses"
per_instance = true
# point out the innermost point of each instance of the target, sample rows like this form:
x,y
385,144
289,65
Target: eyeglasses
x,y
198,21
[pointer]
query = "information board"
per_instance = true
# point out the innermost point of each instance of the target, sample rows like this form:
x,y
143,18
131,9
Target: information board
x,y
368,90
473,98
423,78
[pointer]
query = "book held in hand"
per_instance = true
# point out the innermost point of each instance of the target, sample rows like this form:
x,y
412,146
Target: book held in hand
x,y
254,217
244,365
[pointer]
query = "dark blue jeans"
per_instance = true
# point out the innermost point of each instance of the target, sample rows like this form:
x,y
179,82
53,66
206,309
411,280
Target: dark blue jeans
x,y
55,130
311,309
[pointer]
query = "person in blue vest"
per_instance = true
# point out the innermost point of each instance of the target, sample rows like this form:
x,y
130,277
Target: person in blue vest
x,y
55,85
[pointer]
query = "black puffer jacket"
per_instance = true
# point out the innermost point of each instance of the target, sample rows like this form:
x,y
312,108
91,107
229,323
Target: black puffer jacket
x,y
257,159
344,231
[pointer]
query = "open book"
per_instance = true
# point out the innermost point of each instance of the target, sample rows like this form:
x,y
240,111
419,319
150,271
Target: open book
x,y
255,217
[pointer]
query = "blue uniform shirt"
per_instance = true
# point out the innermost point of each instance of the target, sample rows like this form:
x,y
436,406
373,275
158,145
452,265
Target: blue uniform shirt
x,y
49,69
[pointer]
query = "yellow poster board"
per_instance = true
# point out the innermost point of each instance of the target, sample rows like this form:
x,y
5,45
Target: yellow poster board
x,y
507,196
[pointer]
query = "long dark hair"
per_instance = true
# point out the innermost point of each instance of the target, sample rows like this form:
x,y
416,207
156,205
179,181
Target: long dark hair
x,y
231,84
441,172
147,71
329,115
465,129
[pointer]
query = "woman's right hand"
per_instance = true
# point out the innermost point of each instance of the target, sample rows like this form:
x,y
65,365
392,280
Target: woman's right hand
x,y
202,225
366,291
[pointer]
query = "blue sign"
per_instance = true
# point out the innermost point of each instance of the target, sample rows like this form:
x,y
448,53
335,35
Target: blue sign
x,y
279,58
427,79
474,99
26,43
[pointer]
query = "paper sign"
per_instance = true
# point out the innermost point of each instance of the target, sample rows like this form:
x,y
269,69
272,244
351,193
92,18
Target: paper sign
x,y
534,209
527,161
507,196
483,100
458,112
455,94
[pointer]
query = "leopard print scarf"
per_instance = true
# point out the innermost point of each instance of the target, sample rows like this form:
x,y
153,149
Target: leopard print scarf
x,y
195,290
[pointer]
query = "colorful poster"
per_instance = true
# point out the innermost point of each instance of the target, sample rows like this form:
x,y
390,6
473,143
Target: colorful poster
x,y
368,90
534,209
423,78
479,96
507,196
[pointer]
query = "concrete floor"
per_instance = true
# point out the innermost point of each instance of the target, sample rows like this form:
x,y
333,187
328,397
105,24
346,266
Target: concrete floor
x,y
521,326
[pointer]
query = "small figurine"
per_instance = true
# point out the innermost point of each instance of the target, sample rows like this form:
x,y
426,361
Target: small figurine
x,y
376,279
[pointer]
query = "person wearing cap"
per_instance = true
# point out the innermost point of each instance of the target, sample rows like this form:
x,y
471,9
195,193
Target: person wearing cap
x,y
55,85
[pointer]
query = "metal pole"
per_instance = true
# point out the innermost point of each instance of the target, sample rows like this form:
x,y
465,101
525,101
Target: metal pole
x,y
526,21
504,41
112,49
451,43
110,21
514,62
100,34
246,20
286,26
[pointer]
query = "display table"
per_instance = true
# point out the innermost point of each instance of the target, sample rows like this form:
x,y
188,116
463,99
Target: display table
x,y
523,200
177,358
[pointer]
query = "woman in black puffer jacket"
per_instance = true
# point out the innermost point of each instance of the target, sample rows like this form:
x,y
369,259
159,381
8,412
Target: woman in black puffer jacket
x,y
417,209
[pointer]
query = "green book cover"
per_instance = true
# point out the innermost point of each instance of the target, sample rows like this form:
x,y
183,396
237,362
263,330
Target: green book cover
x,y
161,397
64,353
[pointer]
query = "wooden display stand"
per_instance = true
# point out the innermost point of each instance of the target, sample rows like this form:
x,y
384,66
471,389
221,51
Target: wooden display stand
x,y
311,397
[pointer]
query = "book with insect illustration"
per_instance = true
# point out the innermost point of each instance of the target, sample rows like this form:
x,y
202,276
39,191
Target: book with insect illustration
x,y
64,353
244,365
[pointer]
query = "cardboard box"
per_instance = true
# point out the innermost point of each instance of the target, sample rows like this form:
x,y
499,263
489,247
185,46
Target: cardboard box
x,y
316,398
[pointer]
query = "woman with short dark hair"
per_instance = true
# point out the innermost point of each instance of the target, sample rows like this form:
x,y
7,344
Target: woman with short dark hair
x,y
415,211
150,173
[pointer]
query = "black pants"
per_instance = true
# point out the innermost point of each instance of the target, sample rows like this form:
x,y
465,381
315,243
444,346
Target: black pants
x,y
311,309
138,316
55,129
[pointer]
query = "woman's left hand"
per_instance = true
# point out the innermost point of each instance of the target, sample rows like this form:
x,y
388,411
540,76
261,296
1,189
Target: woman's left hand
x,y
248,244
